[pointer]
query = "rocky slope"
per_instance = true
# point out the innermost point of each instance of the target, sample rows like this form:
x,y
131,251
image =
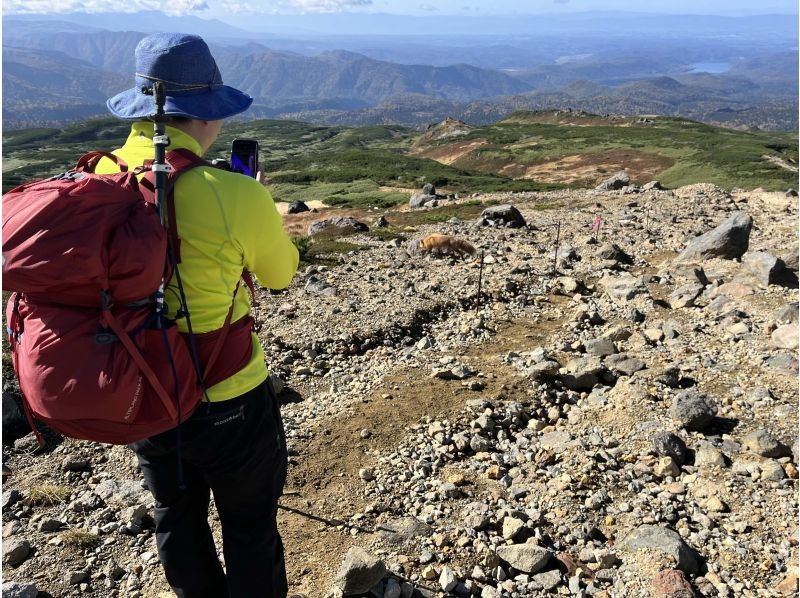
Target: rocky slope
x,y
623,426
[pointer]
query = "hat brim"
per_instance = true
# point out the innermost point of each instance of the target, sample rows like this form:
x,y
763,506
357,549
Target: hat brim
x,y
214,104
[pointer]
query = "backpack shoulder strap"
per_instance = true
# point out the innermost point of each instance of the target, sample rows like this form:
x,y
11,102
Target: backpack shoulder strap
x,y
180,161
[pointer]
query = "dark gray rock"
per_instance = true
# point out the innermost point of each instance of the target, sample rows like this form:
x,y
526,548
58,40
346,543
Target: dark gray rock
x,y
729,240
10,498
359,572
543,370
611,251
617,181
27,444
74,463
344,223
692,410
317,286
48,524
15,551
666,444
663,540
479,443
546,580
505,214
685,296
429,189
528,558
634,315
623,364
766,268
786,314
13,418
15,589
297,207
600,347
74,578
582,373
403,531
668,376
652,186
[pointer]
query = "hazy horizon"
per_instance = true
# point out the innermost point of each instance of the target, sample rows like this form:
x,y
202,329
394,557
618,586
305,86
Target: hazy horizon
x,y
231,10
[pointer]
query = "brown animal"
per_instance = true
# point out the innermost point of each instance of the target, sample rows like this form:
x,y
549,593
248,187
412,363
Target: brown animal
x,y
444,244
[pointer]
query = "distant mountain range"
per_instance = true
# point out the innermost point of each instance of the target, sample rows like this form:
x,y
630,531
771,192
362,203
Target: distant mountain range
x,y
59,70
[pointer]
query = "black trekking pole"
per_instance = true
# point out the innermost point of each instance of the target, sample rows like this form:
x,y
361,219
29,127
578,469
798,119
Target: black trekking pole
x,y
160,141
160,170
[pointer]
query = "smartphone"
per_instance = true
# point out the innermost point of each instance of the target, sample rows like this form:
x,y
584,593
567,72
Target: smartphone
x,y
244,156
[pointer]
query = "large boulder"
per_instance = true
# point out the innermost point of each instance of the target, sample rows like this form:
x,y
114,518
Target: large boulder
x,y
666,541
765,267
624,287
617,181
343,223
15,589
505,215
359,572
418,200
729,240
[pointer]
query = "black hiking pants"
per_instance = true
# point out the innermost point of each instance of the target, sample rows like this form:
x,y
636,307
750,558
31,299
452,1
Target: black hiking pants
x,y
236,450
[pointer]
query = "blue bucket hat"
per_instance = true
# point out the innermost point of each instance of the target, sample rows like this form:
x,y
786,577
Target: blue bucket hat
x,y
192,81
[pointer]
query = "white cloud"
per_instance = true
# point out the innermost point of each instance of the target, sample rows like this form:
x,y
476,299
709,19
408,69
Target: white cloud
x,y
237,7
183,7
174,7
322,6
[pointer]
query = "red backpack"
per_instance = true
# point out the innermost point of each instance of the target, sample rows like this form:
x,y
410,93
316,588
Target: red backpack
x,y
85,256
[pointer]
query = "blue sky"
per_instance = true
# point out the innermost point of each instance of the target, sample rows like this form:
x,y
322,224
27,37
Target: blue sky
x,y
221,8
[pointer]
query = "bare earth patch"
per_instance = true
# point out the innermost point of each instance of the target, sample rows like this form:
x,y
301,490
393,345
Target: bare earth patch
x,y
781,162
641,166
448,154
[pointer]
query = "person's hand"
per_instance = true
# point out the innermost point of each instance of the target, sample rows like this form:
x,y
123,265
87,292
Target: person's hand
x,y
261,177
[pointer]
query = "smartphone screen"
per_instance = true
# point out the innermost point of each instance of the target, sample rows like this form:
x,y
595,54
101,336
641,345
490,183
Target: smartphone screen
x,y
244,156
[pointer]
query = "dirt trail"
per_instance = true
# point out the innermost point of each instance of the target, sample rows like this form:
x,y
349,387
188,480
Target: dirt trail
x,y
324,477
781,162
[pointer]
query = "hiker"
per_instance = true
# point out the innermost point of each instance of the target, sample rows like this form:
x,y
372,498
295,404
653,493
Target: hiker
x,y
233,446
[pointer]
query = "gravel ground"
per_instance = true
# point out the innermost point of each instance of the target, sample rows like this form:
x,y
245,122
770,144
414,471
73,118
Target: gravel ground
x,y
623,426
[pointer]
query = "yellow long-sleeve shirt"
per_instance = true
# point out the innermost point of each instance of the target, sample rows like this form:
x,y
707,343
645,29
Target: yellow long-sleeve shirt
x,y
226,222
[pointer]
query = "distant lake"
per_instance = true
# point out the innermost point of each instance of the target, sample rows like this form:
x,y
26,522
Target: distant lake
x,y
710,67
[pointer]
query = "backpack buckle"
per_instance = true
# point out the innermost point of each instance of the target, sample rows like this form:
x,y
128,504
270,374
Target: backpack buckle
x,y
106,302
